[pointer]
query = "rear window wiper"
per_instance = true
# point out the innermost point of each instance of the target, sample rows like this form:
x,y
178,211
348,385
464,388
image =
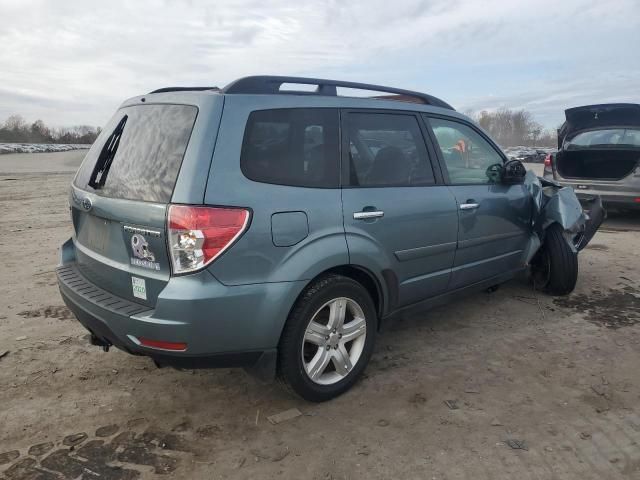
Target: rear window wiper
x,y
103,164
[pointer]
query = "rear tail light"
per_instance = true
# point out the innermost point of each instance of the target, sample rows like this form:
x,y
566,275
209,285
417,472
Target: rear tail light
x,y
199,235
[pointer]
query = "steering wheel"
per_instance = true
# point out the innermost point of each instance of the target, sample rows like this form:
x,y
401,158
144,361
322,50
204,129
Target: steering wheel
x,y
494,172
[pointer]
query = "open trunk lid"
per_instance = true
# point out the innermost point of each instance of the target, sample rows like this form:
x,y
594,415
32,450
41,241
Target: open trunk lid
x,y
596,117
120,195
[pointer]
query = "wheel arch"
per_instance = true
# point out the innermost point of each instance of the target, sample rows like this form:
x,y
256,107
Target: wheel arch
x,y
368,280
376,287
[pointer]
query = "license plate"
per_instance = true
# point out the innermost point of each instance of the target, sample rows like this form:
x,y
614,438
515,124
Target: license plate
x,y
582,187
97,229
139,288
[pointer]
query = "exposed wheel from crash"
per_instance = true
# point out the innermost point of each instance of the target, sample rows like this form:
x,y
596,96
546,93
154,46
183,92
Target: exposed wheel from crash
x,y
554,269
328,338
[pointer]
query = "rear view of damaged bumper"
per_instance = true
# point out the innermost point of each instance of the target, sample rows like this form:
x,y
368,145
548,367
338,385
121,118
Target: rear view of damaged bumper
x,y
612,194
217,324
554,203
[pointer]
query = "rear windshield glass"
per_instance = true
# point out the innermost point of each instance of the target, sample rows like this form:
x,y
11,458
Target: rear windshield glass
x,y
614,137
297,146
138,154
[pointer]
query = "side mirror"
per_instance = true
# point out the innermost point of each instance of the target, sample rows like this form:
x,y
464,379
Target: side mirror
x,y
513,172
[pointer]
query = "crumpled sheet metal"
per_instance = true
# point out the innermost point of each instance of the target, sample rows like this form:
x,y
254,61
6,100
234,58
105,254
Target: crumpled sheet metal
x,y
554,203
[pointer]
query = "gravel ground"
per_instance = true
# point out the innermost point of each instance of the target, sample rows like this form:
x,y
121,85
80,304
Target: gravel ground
x,y
512,384
47,162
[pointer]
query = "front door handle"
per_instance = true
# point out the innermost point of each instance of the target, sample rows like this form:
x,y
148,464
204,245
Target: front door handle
x,y
469,205
367,214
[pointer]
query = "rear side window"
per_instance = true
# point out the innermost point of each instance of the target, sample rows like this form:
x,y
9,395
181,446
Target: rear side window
x,y
387,150
294,146
138,154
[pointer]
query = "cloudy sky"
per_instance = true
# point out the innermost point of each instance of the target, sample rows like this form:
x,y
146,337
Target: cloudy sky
x,y
73,61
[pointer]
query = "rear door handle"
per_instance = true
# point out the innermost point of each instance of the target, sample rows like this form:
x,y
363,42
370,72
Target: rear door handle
x,y
469,206
364,215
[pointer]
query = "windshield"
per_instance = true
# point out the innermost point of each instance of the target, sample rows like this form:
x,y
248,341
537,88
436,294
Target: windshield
x,y
613,137
138,154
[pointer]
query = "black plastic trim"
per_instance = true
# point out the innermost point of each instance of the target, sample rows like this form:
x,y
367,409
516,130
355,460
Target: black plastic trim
x,y
71,278
184,89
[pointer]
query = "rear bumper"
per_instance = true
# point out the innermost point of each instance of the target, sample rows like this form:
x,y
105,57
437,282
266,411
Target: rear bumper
x,y
223,326
611,195
610,199
104,335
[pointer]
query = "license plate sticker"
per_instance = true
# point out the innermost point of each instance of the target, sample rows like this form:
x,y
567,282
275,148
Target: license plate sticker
x,y
139,288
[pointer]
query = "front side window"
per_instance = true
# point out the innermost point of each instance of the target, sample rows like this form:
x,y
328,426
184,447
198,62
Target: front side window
x,y
467,155
292,146
387,150
613,137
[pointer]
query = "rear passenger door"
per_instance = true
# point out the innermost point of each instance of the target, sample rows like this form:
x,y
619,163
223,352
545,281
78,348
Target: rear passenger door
x,y
398,216
495,219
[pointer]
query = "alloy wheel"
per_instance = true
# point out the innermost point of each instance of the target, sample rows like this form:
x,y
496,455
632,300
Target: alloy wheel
x,y
333,341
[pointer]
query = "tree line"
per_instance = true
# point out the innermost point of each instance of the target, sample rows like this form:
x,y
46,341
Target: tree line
x,y
512,128
16,129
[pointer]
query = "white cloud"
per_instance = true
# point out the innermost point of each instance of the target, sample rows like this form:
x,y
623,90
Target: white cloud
x,y
74,61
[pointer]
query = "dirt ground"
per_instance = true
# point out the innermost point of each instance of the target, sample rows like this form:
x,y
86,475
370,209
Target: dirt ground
x,y
510,384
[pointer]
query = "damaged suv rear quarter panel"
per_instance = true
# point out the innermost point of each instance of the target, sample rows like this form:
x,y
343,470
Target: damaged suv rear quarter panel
x,y
255,258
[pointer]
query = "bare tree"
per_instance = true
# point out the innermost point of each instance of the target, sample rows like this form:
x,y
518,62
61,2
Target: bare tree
x,y
15,122
514,128
16,130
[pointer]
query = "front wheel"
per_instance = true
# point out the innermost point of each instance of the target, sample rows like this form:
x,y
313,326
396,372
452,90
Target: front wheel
x,y
554,268
328,338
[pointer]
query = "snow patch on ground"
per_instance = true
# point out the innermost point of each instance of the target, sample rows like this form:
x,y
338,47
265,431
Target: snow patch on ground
x,y
39,147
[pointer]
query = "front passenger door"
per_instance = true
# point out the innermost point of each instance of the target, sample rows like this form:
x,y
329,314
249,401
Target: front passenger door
x,y
494,219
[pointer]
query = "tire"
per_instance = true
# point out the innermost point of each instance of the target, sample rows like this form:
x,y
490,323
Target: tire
x,y
555,266
304,347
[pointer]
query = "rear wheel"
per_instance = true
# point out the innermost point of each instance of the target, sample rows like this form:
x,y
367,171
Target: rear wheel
x,y
554,268
328,338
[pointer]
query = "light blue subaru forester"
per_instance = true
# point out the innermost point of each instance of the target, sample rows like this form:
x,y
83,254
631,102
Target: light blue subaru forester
x,y
278,223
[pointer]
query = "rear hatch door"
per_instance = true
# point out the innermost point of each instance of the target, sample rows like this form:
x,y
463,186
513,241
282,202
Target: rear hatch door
x,y
120,195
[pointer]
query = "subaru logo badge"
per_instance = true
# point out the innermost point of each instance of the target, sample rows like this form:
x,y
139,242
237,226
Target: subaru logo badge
x,y
86,203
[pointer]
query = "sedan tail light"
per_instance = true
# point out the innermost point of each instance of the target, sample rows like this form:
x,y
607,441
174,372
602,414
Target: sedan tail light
x,y
198,235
